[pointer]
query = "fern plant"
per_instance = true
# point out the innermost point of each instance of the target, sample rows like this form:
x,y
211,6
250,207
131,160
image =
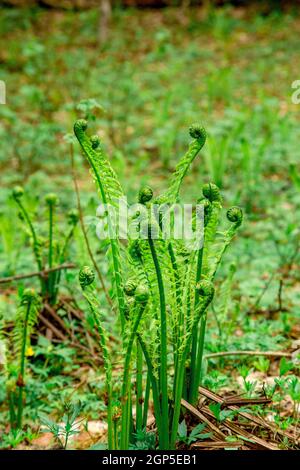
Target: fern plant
x,y
48,252
26,319
162,290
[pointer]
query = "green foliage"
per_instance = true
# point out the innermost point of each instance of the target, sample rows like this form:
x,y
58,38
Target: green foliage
x,y
196,433
70,427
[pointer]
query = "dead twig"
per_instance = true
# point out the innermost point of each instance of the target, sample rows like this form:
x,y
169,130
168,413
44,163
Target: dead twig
x,y
55,317
248,353
251,439
203,418
246,401
43,273
255,419
53,328
218,445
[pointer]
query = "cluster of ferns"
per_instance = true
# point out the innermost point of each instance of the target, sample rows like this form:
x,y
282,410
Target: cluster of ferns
x,y
162,289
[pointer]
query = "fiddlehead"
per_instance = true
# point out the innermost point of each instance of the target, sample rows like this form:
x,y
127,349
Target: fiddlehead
x,y
95,141
130,287
18,192
108,184
86,276
235,215
211,192
145,195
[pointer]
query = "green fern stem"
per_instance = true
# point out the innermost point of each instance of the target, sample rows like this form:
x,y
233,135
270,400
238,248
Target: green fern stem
x,y
50,253
20,381
146,401
177,297
198,370
181,365
193,385
139,387
89,295
155,392
163,348
126,386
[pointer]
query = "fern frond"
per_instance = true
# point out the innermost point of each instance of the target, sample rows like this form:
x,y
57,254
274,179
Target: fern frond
x,y
103,173
110,191
198,133
26,319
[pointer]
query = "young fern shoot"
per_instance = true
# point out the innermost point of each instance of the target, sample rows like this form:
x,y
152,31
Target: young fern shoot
x,y
26,319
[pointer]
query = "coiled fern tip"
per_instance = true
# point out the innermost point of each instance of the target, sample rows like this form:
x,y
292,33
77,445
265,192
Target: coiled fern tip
x,y
130,287
197,132
206,289
235,215
142,294
211,192
80,125
145,194
17,192
51,199
86,276
73,216
95,141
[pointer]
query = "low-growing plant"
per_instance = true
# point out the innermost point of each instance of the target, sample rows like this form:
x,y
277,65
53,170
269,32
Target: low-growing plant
x,y
162,290
69,426
196,433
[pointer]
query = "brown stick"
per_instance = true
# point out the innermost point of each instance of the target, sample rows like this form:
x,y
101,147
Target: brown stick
x,y
246,401
251,438
105,16
255,419
52,328
203,418
69,308
248,353
43,273
56,317
217,445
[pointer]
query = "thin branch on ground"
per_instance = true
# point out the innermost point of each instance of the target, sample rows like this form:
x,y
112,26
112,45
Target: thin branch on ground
x,y
43,273
248,353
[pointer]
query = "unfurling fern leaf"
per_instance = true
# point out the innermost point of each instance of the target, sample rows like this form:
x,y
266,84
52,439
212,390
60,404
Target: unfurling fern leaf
x,y
104,175
26,319
198,133
110,191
